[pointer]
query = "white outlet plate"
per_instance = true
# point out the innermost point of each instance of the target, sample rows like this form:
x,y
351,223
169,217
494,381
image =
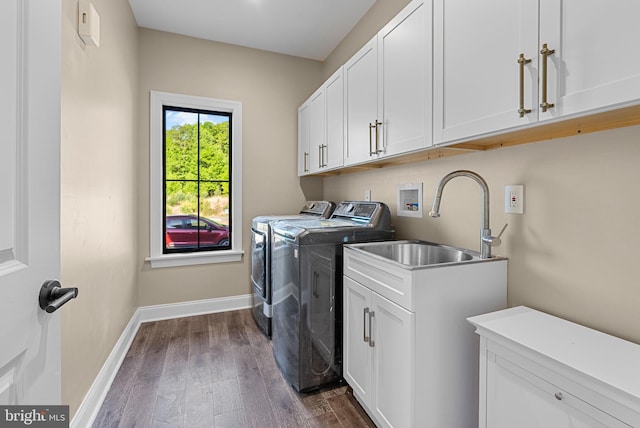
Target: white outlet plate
x,y
514,199
367,195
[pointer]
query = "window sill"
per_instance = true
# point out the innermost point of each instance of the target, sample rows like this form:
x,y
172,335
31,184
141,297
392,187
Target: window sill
x,y
189,259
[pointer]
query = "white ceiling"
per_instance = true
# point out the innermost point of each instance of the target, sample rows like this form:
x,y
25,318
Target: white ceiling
x,y
304,28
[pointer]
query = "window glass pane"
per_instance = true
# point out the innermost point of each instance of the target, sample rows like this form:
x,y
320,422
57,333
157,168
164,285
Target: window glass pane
x,y
181,145
181,231
214,147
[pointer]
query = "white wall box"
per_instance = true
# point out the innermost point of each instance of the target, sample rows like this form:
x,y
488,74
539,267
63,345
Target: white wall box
x,y
483,86
88,23
321,128
410,200
408,352
537,370
388,89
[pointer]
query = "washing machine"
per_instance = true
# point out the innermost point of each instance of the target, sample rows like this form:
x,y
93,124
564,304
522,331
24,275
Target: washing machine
x,y
261,238
306,270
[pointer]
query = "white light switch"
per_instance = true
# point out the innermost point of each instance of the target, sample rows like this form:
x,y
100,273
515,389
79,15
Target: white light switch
x,y
514,199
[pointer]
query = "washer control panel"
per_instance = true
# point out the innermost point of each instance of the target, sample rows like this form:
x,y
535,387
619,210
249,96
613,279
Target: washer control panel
x,y
356,210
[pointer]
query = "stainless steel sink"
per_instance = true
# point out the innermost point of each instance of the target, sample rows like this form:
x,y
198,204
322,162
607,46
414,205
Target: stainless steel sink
x,y
418,253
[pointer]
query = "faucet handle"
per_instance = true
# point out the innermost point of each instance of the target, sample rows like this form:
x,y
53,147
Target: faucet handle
x,y
502,230
495,241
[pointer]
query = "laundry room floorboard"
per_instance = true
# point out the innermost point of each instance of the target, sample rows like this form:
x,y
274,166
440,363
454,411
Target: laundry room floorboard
x,y
215,371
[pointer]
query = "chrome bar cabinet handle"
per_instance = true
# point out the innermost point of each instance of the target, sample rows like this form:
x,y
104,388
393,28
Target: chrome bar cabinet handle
x,y
371,342
364,325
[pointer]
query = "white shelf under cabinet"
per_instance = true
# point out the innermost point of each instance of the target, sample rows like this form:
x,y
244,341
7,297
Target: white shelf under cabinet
x,y
537,370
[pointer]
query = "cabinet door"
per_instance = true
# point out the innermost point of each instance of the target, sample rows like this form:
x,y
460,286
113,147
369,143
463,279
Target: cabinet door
x,y
303,139
517,398
393,363
476,74
593,65
334,105
357,356
361,103
317,129
404,80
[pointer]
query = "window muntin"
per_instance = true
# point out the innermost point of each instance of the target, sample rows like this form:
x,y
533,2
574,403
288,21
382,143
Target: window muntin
x,y
197,169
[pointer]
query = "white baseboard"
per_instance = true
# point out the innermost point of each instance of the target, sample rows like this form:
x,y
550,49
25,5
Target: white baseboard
x,y
90,406
196,307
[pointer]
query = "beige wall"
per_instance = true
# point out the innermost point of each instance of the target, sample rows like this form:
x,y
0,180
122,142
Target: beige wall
x,y
98,191
270,87
572,253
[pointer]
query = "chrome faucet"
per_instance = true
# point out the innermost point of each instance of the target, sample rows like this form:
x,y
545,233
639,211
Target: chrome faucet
x,y
486,240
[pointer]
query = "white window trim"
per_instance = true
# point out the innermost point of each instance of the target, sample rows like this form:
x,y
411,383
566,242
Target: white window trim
x,y
156,207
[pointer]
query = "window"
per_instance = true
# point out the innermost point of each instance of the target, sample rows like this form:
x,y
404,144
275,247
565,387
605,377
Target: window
x,y
195,203
196,155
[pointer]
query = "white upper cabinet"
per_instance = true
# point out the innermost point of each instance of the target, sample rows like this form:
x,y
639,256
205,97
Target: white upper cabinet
x,y
477,81
361,104
303,138
311,133
404,80
317,129
388,89
321,128
455,71
503,64
333,152
595,65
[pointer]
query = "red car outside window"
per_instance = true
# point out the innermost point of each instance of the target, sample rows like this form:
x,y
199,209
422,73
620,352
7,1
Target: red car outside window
x,y
191,232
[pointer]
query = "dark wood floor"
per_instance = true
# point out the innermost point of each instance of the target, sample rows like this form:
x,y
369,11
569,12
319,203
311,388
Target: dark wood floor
x,y
215,370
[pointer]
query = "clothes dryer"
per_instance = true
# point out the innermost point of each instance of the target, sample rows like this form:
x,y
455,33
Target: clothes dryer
x,y
307,289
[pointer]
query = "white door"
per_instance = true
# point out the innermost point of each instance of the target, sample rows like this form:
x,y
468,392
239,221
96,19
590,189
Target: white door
x,y
30,195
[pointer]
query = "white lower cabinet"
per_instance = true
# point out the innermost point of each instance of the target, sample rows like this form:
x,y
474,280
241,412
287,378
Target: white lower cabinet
x,y
540,371
408,352
378,345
